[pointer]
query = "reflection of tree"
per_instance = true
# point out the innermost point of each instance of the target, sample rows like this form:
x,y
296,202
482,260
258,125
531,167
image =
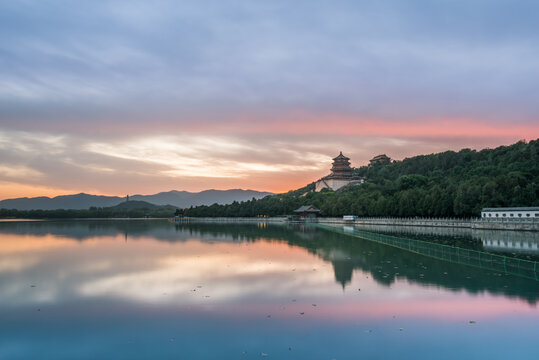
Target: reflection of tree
x,y
386,264
474,239
383,263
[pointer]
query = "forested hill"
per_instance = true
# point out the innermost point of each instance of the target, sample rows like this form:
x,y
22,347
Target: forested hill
x,y
448,184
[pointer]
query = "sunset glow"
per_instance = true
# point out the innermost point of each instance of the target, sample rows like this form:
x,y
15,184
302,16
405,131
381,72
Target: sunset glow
x,y
127,97
229,179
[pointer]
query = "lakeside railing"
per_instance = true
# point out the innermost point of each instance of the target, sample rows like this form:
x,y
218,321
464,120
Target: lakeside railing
x,y
453,254
524,224
448,219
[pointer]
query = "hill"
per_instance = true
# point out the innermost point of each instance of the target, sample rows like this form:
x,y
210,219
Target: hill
x,y
134,204
448,184
185,199
76,201
180,199
126,209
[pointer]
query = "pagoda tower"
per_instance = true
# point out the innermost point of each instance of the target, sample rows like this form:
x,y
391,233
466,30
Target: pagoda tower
x,y
341,175
341,167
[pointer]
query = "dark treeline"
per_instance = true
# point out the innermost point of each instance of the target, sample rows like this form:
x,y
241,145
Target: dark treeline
x,y
92,212
448,184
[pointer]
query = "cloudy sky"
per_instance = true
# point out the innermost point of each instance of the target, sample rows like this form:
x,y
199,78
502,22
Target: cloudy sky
x,y
125,97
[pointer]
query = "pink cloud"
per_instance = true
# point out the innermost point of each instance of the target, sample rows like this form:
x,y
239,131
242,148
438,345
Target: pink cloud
x,y
346,125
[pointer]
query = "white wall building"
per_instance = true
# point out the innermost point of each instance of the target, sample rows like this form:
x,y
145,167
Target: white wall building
x,y
334,184
510,213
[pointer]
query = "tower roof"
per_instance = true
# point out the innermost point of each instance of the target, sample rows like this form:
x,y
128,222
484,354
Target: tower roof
x,y
341,157
382,156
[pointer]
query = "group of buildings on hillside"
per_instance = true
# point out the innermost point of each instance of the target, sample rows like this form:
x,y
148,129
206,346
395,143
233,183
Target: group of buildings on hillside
x,y
343,175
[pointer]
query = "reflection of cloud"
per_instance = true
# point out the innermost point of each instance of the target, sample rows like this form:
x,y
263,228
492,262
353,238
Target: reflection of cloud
x,y
418,304
247,276
226,277
145,270
12,244
15,264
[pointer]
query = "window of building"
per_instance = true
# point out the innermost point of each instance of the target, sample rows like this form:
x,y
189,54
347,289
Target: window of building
x,y
511,215
503,214
519,215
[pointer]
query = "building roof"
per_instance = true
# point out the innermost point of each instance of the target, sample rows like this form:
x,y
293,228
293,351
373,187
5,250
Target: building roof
x,y
380,157
533,208
307,208
341,157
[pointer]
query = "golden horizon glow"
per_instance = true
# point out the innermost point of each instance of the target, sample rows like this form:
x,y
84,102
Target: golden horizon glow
x,y
11,190
276,156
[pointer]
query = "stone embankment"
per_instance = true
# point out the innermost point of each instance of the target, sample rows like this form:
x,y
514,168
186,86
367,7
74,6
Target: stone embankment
x,y
231,219
474,223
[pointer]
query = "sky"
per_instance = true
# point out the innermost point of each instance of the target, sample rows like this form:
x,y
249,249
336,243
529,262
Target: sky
x,y
138,97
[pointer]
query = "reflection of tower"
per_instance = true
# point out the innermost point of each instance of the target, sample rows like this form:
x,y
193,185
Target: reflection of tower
x,y
125,236
343,271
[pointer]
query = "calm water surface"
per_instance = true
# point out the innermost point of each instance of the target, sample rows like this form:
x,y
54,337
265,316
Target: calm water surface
x,y
151,289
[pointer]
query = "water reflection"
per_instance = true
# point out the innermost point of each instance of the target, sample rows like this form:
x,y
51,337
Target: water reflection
x,y
144,289
206,252
496,241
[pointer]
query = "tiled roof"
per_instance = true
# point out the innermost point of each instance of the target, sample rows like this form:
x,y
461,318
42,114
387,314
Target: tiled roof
x,y
379,157
341,157
307,208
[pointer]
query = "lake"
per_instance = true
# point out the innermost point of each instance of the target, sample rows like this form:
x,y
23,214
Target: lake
x,y
150,289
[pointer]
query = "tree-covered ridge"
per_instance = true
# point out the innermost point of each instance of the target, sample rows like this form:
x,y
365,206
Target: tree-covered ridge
x,y
123,211
446,184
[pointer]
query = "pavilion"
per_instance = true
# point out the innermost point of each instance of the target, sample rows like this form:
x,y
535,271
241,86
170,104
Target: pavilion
x,y
307,212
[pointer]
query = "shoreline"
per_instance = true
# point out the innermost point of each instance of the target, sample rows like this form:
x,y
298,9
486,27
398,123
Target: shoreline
x,y
476,224
440,223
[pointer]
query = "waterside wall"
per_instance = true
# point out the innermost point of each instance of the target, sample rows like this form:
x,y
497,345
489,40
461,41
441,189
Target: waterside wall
x,y
477,223
231,219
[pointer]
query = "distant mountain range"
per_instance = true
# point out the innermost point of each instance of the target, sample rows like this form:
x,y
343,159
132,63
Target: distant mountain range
x,y
180,199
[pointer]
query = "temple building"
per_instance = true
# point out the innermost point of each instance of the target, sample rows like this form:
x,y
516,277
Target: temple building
x,y
307,212
380,159
341,175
